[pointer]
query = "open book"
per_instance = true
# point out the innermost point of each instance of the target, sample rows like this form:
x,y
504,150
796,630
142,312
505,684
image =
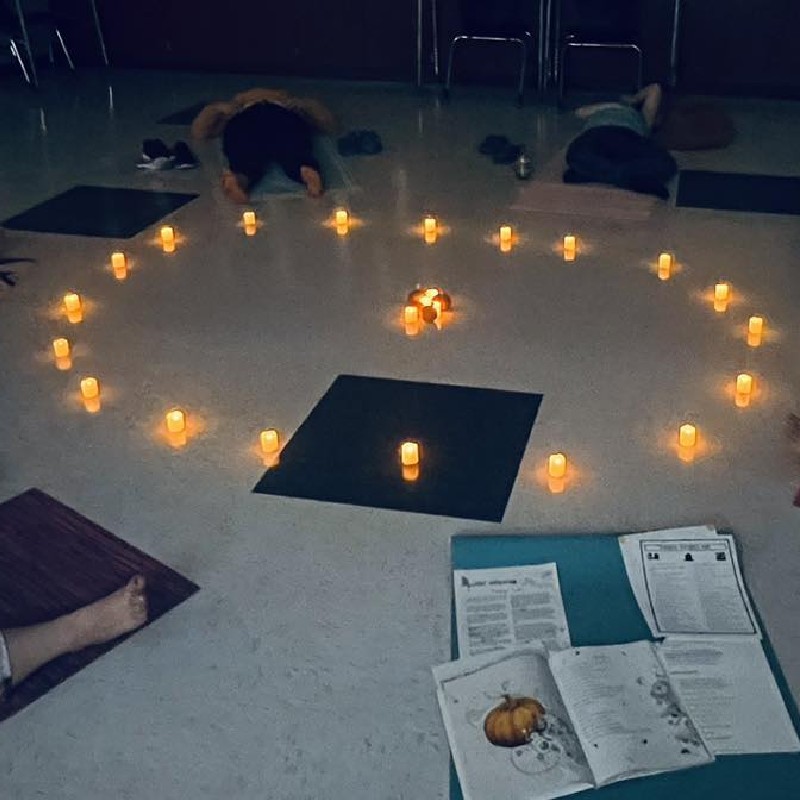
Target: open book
x,y
526,724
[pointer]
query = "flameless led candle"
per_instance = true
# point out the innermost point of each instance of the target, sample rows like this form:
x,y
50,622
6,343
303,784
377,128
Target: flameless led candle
x,y
176,421
90,388
569,243
409,454
410,472
744,383
722,293
505,234
755,330
411,315
61,348
249,218
438,306
429,225
687,435
167,238
557,465
665,261
118,263
270,440
72,303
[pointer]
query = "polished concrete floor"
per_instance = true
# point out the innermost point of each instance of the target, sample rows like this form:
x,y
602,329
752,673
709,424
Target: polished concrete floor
x,y
302,668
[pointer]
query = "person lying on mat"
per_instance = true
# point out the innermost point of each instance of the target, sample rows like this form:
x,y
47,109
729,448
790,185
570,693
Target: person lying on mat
x,y
615,145
24,650
262,127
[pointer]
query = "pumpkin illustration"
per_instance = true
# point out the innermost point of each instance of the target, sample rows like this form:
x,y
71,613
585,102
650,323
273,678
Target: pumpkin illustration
x,y
514,721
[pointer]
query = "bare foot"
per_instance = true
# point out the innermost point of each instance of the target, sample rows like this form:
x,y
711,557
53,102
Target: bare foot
x,y
114,615
235,187
313,181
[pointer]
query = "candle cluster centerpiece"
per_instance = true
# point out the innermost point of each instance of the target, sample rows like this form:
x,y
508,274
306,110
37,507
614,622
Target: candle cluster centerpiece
x,y
426,305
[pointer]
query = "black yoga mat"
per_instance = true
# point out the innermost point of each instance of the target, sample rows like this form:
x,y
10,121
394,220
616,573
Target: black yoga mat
x,y
732,191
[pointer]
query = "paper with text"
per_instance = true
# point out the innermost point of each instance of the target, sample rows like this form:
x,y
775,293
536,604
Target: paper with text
x,y
505,607
730,691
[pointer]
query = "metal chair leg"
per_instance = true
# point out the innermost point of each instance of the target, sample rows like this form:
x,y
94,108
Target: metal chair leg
x,y
639,68
64,48
18,58
561,68
449,77
522,67
435,35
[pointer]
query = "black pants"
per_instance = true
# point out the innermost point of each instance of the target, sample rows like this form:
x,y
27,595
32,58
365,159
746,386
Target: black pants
x,y
264,134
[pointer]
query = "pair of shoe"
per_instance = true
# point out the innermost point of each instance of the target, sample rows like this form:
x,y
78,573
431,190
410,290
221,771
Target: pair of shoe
x,y
360,143
501,150
157,156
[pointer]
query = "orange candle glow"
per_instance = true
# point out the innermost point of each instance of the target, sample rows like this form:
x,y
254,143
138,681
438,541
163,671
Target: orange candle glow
x,y
119,265
270,441
722,293
176,421
506,234
167,238
687,435
744,383
249,218
411,315
73,307
342,219
755,330
664,266
409,453
429,224
569,243
90,388
557,465
61,348
438,306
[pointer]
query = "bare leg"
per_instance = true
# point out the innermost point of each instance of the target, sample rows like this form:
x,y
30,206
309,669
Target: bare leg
x,y
313,181
119,613
235,186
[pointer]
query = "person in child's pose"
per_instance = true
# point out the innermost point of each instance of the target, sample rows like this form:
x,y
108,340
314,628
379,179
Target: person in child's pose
x,y
261,127
24,650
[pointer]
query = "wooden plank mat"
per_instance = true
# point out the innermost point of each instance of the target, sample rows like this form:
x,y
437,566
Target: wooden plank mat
x,y
53,561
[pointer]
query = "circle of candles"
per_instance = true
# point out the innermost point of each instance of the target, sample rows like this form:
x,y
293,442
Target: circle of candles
x,y
722,292
409,453
505,234
270,440
167,238
687,435
557,465
61,348
90,388
411,315
176,421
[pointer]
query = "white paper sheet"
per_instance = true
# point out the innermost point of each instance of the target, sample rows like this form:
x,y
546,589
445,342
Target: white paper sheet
x,y
506,607
730,692
625,711
551,765
695,586
632,558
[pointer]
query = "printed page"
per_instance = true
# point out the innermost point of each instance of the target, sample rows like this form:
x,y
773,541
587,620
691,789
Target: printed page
x,y
503,608
632,558
730,692
625,712
695,586
531,756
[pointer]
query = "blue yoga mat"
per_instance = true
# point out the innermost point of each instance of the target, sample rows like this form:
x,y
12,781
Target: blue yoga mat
x,y
601,609
335,175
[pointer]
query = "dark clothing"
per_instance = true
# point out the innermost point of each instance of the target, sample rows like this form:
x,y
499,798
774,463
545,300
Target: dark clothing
x,y
264,134
620,156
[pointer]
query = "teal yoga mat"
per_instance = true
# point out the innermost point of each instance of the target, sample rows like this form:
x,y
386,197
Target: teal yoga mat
x,y
335,175
601,609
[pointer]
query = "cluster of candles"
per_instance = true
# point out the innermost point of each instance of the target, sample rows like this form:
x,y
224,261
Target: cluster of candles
x,y
426,305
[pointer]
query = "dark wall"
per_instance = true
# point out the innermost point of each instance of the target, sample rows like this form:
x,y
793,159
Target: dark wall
x,y
726,46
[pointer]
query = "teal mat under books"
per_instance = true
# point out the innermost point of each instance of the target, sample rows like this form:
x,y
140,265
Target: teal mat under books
x,y
601,609
335,175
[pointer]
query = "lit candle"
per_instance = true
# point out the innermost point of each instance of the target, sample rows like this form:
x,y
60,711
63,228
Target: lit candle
x,y
61,348
664,266
176,421
409,453
569,243
687,435
119,265
429,225
410,472
438,306
431,293
505,234
167,238
557,465
342,221
755,330
90,388
270,440
722,293
411,315
73,305
249,219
